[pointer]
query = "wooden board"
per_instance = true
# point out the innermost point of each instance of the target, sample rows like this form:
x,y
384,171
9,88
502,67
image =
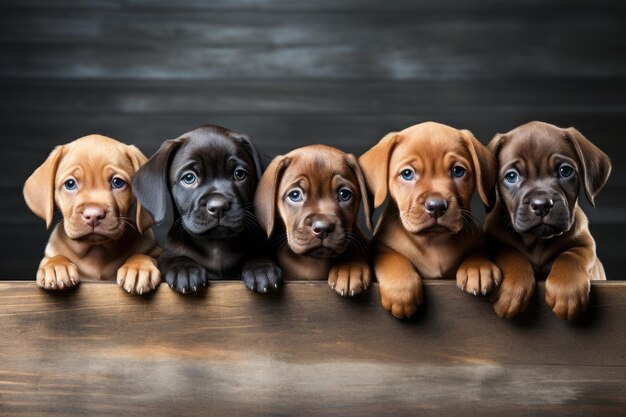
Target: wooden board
x,y
304,351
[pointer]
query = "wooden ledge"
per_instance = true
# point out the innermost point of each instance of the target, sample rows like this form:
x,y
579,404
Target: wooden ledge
x,y
304,351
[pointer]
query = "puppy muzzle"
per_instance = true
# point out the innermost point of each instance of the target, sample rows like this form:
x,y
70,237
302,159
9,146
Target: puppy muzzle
x,y
542,215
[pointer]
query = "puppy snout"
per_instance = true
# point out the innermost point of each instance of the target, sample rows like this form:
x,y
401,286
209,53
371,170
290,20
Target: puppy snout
x,y
93,215
541,206
435,207
322,228
217,206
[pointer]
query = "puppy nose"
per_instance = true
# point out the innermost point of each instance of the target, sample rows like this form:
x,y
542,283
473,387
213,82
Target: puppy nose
x,y
92,215
541,206
436,207
322,228
217,206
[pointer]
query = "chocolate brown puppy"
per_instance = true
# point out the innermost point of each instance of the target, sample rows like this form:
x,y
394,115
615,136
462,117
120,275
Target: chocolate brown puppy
x,y
430,172
538,228
308,200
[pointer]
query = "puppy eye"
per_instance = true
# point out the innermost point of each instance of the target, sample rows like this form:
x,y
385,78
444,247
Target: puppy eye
x,y
295,195
345,194
117,183
70,185
189,178
240,174
511,177
407,174
458,171
566,171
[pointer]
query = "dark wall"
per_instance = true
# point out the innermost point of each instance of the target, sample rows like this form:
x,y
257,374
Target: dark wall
x,y
294,72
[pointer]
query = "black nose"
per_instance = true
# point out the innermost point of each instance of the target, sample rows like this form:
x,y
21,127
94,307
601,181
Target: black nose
x,y
436,207
217,205
322,228
541,206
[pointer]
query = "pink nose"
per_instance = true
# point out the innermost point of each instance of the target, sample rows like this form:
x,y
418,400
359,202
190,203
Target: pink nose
x,y
93,215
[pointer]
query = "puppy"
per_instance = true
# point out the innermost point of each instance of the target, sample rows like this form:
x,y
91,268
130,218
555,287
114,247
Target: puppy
x,y
210,174
309,200
426,230
537,217
89,179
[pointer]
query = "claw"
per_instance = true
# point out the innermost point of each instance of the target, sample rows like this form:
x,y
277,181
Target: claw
x,y
195,288
484,291
342,293
183,290
265,289
352,293
140,291
275,285
474,292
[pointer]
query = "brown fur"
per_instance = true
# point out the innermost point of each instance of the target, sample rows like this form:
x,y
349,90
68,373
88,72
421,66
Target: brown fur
x,y
113,247
409,244
320,172
565,256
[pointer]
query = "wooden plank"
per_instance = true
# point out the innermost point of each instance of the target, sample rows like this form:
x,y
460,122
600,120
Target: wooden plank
x,y
303,351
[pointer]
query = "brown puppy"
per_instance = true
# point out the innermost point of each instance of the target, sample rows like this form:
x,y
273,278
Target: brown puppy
x,y
537,217
89,179
430,172
315,193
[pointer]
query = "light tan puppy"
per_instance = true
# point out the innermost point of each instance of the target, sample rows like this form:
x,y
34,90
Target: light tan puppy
x,y
308,200
89,180
430,172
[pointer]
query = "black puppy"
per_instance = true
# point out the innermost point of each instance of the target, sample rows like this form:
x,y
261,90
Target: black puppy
x,y
211,175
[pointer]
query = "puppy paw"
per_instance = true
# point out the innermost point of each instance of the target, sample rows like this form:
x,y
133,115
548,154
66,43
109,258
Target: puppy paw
x,y
185,276
401,297
567,297
139,274
261,275
478,275
350,278
57,273
513,295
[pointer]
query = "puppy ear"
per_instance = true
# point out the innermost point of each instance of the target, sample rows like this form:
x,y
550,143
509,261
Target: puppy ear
x,y
354,165
39,187
266,196
253,151
375,166
143,219
485,167
150,183
596,165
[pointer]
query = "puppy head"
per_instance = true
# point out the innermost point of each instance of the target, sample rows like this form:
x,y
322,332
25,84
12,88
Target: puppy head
x,y
315,191
430,172
541,168
210,173
89,179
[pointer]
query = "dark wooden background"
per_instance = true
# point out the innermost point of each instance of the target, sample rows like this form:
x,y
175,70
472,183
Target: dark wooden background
x,y
294,72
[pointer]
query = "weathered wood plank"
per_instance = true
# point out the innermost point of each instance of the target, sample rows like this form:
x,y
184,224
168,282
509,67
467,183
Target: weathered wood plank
x,y
303,351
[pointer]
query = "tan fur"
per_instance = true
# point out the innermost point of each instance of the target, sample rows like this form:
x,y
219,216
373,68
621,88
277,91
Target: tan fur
x,y
320,171
405,251
74,251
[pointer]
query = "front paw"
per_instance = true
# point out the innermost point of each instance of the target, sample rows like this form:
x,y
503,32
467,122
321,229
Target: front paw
x,y
350,278
139,274
58,273
478,275
185,276
261,275
567,297
401,297
513,294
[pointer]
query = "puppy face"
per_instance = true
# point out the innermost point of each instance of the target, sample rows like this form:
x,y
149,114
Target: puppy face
x,y
316,192
541,169
89,179
211,174
430,171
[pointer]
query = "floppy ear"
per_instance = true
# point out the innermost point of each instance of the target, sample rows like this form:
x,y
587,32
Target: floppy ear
x,y
266,196
375,166
354,165
252,151
150,183
143,219
596,165
39,187
485,167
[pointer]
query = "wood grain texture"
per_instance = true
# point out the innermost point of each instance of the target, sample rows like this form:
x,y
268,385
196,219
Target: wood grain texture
x,y
303,351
